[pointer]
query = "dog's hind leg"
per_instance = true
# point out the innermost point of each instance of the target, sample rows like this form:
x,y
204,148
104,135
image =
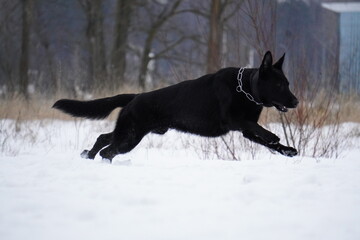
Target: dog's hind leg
x,y
126,135
102,141
121,144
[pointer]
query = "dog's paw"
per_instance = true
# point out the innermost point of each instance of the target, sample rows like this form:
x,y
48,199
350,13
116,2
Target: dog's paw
x,y
288,151
106,160
86,154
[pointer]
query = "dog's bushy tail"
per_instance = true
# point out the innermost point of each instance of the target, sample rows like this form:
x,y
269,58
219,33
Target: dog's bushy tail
x,y
94,109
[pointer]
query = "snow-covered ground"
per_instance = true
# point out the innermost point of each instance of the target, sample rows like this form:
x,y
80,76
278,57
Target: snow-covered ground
x,y
163,189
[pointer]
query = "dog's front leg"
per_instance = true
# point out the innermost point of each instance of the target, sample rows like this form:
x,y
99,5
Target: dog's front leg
x,y
284,150
254,130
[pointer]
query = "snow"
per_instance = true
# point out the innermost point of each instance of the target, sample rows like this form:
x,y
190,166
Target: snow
x,y
163,189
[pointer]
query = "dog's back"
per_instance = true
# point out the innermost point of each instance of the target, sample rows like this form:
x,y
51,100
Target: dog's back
x,y
201,106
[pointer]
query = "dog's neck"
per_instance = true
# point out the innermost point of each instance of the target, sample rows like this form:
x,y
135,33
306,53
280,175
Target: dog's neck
x,y
254,83
250,84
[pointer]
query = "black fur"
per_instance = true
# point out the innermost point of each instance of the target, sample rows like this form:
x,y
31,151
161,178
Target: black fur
x,y
95,109
208,106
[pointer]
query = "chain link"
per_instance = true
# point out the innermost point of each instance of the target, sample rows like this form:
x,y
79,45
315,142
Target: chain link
x,y
240,89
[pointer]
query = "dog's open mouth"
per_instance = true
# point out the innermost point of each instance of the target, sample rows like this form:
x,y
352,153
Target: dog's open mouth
x,y
280,107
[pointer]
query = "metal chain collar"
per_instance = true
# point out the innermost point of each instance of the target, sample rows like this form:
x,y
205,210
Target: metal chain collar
x,y
240,89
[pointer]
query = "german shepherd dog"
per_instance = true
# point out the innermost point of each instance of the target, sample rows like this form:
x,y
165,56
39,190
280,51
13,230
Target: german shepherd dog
x,y
212,105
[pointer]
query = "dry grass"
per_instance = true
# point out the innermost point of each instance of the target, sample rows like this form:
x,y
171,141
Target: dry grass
x,y
346,107
309,134
19,109
342,109
349,107
36,108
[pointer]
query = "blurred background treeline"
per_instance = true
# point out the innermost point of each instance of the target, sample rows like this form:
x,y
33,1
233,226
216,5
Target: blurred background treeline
x,y
77,47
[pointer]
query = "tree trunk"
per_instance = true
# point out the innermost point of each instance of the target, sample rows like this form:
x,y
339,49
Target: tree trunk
x,y
161,19
27,15
145,59
118,58
96,40
215,37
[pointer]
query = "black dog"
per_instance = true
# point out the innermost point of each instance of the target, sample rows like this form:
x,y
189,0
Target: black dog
x,y
212,105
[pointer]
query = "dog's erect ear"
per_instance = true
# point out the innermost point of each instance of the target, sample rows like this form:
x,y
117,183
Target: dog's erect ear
x,y
280,62
267,61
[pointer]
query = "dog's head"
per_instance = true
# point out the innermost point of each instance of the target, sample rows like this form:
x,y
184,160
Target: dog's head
x,y
273,86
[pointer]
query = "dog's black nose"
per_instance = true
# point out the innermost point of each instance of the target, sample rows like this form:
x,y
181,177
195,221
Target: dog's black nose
x,y
295,102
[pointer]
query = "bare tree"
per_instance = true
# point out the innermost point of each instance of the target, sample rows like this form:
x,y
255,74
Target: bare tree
x,y
27,18
40,31
217,16
215,37
9,46
94,33
260,18
157,21
124,11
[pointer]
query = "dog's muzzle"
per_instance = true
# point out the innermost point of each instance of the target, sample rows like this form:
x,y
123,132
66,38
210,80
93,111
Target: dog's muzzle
x,y
283,108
